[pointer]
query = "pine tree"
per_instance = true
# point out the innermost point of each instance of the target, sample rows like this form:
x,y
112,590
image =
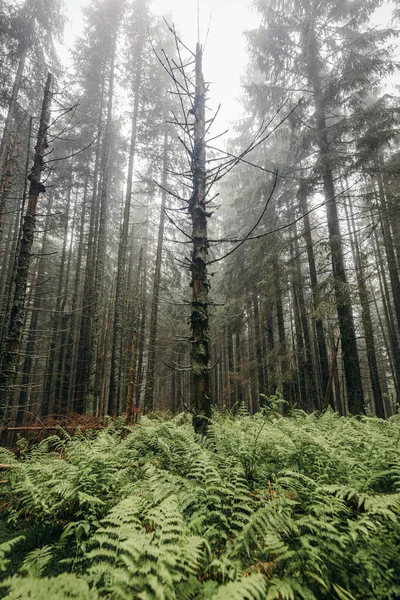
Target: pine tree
x,y
290,47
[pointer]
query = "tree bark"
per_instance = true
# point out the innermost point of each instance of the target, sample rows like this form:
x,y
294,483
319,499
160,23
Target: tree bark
x,y
200,340
132,364
11,350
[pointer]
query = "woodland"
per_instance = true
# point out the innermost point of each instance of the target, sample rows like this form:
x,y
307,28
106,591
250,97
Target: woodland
x,y
199,329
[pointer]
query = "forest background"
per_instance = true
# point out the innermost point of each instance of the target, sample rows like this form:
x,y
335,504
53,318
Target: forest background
x,y
309,306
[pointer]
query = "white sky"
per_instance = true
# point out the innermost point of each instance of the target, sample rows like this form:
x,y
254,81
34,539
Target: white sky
x,y
225,53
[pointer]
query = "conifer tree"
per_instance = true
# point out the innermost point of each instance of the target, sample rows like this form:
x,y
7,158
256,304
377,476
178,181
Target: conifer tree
x,y
291,48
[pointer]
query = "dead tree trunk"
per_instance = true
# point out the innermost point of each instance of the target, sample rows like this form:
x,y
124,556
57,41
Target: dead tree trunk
x,y
200,354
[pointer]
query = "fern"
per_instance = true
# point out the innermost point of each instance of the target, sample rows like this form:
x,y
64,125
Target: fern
x,y
6,548
63,587
306,507
253,587
36,561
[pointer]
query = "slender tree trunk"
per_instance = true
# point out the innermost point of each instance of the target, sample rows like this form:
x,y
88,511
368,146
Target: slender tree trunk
x,y
200,341
69,372
389,317
269,328
32,335
251,345
319,327
262,373
82,361
94,376
6,183
149,391
366,317
11,273
343,301
281,330
55,333
299,345
238,369
311,384
231,368
132,365
11,350
66,318
390,253
142,331
117,343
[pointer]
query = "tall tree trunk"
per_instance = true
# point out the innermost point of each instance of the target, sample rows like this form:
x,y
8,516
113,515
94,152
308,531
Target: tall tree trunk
x,y
270,346
343,301
231,367
32,335
151,359
238,369
69,373
366,316
262,372
66,318
11,349
299,344
8,297
142,330
319,327
94,376
389,317
81,377
311,384
55,333
390,252
132,364
117,356
281,330
200,341
252,356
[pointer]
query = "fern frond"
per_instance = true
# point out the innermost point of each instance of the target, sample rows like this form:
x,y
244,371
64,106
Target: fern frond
x,y
63,587
36,561
253,587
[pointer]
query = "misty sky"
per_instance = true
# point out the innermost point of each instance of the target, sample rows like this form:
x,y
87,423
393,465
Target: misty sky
x,y
225,55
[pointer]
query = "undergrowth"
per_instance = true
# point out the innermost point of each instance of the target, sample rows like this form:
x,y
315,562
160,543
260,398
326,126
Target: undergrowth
x,y
264,508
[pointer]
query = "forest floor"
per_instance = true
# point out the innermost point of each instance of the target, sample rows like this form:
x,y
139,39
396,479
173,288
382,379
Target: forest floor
x,y
265,507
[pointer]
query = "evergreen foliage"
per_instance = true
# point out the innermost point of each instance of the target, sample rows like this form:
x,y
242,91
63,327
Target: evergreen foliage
x,y
264,507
